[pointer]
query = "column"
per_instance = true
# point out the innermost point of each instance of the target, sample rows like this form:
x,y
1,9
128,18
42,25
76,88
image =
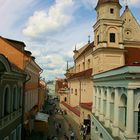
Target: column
x,y
102,105
107,119
93,101
130,113
116,113
97,102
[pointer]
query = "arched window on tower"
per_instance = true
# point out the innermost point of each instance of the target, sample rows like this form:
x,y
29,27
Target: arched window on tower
x,y
112,37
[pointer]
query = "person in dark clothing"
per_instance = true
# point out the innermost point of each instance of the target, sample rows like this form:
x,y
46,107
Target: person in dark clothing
x,y
66,137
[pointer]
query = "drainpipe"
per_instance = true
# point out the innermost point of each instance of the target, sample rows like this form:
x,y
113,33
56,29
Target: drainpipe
x,y
23,107
80,92
38,86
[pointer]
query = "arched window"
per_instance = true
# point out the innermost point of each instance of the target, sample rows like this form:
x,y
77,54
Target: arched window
x,y
112,106
6,100
123,110
101,136
139,119
65,99
20,97
104,103
14,98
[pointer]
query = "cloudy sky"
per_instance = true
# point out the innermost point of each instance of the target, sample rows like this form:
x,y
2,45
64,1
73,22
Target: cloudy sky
x,y
52,28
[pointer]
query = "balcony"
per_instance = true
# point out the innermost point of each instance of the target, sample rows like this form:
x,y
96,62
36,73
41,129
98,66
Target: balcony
x,y
5,121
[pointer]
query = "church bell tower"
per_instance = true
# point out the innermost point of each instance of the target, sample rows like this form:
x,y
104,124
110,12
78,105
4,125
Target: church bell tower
x,y
108,28
108,36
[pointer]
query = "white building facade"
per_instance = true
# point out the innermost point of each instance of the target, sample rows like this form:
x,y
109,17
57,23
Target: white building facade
x,y
116,109
116,74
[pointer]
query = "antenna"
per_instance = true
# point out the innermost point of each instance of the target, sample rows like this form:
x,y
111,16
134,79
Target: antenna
x,y
67,65
75,48
89,39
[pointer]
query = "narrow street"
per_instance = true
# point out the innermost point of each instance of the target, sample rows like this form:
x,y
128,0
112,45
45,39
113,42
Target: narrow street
x,y
56,117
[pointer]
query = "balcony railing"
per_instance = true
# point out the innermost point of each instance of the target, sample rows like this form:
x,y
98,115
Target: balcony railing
x,y
5,121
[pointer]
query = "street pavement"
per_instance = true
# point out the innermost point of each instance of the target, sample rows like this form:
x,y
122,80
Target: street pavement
x,y
57,117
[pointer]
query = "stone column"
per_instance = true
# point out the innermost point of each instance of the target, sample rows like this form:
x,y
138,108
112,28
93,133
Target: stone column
x,y
116,113
102,105
107,119
93,101
130,113
97,102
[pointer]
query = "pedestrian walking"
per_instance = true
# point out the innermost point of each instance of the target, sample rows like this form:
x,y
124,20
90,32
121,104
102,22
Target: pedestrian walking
x,y
81,130
84,132
54,138
66,137
72,136
57,127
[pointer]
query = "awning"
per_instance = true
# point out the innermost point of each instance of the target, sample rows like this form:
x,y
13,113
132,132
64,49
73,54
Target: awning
x,y
41,117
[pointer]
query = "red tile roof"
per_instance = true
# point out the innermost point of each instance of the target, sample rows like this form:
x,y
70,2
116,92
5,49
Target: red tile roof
x,y
17,44
86,49
87,106
73,109
61,84
132,56
83,74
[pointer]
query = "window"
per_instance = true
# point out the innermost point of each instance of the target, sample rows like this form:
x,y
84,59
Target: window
x,y
88,63
101,135
65,99
13,135
83,65
111,10
19,132
71,90
75,91
139,119
14,98
112,37
6,104
79,67
20,97
97,39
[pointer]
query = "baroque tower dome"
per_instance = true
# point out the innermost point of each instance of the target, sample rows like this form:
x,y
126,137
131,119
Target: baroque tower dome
x,y
100,2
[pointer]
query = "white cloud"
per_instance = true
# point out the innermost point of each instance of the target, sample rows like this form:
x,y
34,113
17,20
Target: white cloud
x,y
90,4
57,17
11,14
133,2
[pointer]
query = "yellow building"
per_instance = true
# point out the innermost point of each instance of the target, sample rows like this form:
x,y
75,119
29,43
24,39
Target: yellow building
x,y
79,100
112,61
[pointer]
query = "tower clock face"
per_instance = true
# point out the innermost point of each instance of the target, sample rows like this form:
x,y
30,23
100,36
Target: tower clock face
x,y
128,33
